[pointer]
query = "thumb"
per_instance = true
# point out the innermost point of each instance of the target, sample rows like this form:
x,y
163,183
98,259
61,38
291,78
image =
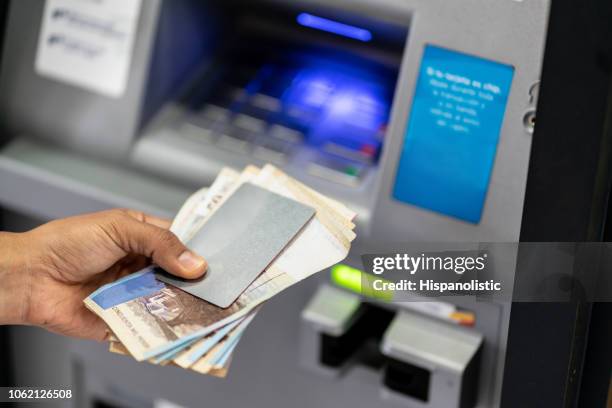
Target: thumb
x,y
161,245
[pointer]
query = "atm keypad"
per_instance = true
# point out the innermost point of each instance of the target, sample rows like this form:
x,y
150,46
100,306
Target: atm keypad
x,y
249,123
286,134
266,103
338,171
215,113
234,144
201,134
331,118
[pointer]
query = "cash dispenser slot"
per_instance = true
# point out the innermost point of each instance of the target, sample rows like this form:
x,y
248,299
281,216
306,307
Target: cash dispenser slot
x,y
348,331
360,339
422,362
432,363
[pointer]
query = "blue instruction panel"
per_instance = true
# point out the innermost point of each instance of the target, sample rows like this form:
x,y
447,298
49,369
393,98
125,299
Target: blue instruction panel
x,y
449,147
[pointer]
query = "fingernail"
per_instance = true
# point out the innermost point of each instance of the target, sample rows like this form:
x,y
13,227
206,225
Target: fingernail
x,y
191,261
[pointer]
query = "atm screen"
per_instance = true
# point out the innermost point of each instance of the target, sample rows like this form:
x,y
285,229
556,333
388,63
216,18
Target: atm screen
x,y
451,139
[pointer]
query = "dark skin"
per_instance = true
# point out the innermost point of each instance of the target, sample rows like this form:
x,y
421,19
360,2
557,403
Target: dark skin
x,y
48,271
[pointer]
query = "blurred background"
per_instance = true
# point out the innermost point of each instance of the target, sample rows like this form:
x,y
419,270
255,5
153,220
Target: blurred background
x,y
418,114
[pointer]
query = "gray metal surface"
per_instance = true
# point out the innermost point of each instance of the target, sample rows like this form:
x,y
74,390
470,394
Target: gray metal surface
x,y
63,113
331,310
505,31
430,344
445,351
182,158
491,323
47,182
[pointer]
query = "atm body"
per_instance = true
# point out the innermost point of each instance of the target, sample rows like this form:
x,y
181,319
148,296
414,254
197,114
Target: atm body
x,y
390,106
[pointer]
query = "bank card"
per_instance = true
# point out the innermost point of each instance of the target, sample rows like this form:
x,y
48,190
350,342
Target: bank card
x,y
239,240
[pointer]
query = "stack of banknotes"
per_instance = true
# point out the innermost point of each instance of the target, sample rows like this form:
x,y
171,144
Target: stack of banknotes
x,y
155,321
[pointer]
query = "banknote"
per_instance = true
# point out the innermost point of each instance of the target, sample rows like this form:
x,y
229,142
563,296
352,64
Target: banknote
x,y
220,357
218,369
182,220
161,319
118,348
344,214
181,331
168,356
277,181
224,184
161,323
203,346
193,211
223,187
204,350
199,204
169,317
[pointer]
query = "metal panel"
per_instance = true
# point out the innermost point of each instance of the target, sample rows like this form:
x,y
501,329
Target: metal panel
x,y
66,114
496,31
49,183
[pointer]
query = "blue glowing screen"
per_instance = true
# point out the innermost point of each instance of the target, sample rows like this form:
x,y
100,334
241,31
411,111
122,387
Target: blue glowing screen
x,y
451,140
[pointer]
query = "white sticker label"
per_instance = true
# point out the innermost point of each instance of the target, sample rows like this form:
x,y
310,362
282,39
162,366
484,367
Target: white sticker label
x,y
88,43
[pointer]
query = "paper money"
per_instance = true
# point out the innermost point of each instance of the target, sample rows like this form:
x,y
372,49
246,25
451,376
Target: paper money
x,y
165,325
229,337
200,204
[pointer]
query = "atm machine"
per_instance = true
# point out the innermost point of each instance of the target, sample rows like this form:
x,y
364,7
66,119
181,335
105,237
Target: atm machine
x,y
389,106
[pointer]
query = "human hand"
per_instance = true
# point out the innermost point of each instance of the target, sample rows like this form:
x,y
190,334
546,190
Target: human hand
x,y
48,271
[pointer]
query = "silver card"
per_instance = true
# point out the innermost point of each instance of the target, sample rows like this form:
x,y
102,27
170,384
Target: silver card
x,y
240,240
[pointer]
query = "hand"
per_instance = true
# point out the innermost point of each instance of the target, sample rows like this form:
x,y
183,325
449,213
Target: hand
x,y
50,270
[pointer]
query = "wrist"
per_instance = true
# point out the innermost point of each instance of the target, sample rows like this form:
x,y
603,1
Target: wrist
x,y
15,279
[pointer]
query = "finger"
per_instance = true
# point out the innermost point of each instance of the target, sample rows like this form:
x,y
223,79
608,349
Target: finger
x,y
97,330
133,263
85,325
159,244
149,219
129,264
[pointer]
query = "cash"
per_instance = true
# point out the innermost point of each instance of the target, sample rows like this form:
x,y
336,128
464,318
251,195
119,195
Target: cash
x,y
159,323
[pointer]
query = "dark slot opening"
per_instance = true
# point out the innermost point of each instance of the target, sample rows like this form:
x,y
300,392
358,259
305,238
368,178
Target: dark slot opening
x,y
360,341
407,379
99,403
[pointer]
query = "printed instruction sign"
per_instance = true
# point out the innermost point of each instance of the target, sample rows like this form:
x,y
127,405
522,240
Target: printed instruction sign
x,y
88,43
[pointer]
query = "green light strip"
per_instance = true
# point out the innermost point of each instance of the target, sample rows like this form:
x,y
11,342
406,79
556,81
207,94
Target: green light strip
x,y
351,279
